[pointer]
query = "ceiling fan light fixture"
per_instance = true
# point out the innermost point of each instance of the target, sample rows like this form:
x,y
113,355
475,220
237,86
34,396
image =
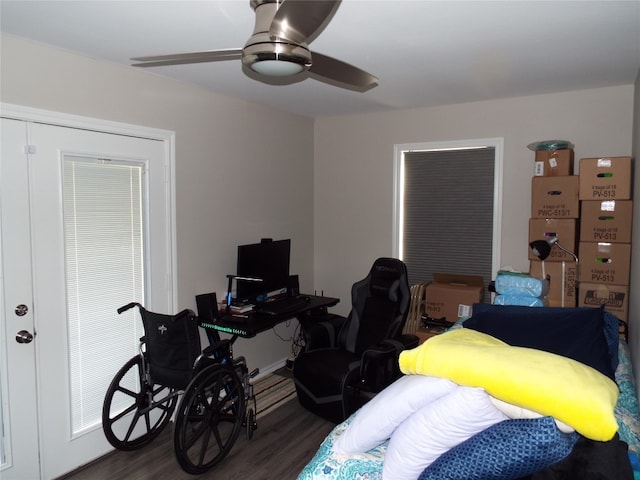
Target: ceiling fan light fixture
x,y
277,67
276,59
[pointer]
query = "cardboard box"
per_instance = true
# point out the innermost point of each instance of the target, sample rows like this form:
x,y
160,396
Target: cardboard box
x,y
555,197
606,221
615,298
606,178
604,263
554,163
452,296
562,281
562,228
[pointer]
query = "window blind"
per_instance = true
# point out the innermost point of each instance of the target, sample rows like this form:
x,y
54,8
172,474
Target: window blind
x,y
103,225
448,213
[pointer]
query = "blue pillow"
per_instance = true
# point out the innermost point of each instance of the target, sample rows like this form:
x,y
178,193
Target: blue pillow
x,y
509,449
576,333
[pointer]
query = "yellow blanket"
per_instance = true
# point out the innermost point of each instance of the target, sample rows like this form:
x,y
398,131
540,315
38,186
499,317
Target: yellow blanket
x,y
549,384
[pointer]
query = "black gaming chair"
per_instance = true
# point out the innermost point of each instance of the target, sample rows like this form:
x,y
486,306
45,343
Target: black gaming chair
x,y
334,381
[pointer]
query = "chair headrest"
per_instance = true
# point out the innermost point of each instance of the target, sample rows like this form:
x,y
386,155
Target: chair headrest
x,y
385,278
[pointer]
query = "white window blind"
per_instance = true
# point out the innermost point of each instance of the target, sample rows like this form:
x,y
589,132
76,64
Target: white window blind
x,y
447,213
103,225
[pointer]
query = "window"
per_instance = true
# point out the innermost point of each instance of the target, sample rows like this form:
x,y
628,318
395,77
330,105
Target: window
x,y
447,208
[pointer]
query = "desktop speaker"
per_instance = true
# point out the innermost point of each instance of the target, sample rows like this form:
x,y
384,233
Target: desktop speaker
x,y
293,286
207,304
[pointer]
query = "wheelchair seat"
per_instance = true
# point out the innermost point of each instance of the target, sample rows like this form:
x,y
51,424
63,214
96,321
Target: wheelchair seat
x,y
330,381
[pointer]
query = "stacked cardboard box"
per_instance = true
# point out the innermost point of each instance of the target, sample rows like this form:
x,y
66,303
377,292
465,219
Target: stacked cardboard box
x,y
554,163
444,301
555,209
450,297
605,233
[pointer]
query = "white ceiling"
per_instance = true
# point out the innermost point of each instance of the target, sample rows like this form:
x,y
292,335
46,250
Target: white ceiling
x,y
424,53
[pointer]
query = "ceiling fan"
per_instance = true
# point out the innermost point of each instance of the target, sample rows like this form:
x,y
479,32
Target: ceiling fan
x,y
278,52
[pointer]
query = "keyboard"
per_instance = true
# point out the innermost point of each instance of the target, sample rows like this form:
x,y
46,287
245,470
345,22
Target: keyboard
x,y
282,306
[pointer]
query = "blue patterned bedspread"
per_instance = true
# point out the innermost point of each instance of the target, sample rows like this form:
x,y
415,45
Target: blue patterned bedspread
x,y
627,411
329,465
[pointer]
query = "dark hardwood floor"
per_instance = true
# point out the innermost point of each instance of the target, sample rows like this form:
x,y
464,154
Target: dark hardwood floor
x,y
285,441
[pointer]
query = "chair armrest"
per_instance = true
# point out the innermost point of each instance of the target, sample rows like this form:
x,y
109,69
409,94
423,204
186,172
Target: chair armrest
x,y
379,365
321,331
409,341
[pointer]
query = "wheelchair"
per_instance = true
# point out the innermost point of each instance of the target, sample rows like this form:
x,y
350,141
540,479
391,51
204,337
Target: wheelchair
x,y
207,391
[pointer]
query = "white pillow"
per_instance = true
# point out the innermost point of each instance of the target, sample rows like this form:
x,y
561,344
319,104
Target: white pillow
x,y
514,411
435,429
376,420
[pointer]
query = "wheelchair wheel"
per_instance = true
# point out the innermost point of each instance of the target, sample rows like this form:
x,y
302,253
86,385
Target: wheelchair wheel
x,y
135,412
251,423
209,418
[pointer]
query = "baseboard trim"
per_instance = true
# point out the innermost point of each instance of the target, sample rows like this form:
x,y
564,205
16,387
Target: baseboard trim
x,y
264,371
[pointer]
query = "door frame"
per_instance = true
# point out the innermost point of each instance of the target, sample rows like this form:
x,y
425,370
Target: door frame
x,y
167,139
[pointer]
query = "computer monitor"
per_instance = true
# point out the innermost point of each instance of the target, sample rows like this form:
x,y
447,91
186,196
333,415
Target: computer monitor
x,y
267,260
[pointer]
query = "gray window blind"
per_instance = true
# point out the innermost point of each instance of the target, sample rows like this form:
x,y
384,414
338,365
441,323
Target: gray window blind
x,y
448,213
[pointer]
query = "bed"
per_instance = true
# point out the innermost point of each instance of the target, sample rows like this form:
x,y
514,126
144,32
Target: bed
x,y
508,393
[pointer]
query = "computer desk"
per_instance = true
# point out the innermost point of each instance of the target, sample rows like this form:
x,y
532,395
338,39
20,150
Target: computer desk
x,y
255,323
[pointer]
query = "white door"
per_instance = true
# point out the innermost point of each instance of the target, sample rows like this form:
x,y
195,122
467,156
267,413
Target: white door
x,y
19,447
74,362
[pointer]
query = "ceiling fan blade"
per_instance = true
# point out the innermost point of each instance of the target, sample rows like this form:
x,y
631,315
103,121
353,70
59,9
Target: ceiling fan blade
x,y
302,20
183,58
341,74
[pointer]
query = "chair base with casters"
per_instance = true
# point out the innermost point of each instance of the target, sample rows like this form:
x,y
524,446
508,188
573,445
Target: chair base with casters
x,y
335,380
208,390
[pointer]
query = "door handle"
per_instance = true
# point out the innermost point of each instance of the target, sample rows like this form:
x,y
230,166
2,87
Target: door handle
x,y
24,337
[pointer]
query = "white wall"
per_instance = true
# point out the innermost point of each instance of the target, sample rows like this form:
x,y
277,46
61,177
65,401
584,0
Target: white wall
x,y
354,168
234,164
